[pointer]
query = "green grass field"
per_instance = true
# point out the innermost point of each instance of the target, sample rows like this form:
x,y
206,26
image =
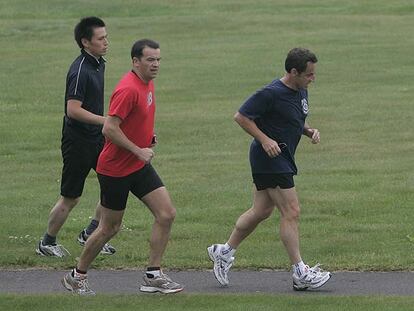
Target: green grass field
x,y
204,302
356,187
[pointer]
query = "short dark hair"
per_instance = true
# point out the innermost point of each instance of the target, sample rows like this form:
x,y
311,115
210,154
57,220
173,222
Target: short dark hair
x,y
298,58
84,29
139,46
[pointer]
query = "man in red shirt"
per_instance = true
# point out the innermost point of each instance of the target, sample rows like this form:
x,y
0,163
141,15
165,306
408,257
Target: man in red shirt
x,y
125,166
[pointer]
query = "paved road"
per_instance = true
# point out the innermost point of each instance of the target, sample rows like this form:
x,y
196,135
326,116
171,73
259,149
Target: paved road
x,y
273,282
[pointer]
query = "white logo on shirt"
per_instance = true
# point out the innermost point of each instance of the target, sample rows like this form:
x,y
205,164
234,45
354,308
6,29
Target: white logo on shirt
x,y
149,99
305,107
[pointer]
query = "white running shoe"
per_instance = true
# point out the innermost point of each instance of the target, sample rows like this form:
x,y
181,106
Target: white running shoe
x,y
313,278
54,250
222,264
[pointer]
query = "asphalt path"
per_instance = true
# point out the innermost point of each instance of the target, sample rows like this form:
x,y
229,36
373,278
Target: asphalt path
x,y
269,282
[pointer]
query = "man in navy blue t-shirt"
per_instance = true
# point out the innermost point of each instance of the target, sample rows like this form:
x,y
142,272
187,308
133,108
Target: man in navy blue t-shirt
x,y
276,118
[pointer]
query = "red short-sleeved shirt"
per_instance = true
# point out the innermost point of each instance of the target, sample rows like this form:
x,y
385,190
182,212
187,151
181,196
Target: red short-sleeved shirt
x,y
133,101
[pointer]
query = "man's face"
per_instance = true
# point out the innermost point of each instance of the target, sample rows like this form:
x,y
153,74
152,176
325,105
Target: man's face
x,y
149,63
98,46
303,79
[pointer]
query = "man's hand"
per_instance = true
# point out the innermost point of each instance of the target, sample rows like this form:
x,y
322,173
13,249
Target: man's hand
x,y
314,136
271,147
145,154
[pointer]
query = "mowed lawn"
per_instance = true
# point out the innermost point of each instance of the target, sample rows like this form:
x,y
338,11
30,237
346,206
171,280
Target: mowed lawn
x,y
204,302
356,188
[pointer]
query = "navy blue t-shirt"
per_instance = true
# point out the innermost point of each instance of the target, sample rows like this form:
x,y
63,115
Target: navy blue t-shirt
x,y
85,82
280,113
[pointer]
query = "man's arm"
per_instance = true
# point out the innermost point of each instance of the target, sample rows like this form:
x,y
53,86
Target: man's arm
x,y
311,133
75,111
269,145
113,132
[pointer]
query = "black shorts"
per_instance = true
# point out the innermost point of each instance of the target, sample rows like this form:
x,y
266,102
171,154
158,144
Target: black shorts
x,y
78,159
115,190
265,181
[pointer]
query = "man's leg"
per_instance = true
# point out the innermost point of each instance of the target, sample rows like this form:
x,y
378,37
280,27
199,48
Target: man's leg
x,y
47,246
287,202
109,225
86,232
95,220
303,276
107,249
262,208
222,255
160,205
77,280
59,214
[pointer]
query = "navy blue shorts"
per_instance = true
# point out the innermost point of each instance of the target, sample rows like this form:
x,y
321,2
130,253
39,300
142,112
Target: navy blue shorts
x,y
265,181
115,190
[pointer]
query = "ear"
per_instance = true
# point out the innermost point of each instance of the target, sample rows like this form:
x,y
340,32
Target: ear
x,y
135,61
85,42
294,72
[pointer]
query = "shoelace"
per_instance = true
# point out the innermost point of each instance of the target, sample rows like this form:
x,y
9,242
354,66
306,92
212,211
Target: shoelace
x,y
165,276
315,269
83,285
227,262
313,272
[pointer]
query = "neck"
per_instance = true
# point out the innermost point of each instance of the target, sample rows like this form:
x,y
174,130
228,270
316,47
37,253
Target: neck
x,y
139,75
94,56
286,80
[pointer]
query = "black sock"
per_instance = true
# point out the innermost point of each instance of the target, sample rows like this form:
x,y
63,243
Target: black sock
x,y
153,268
48,239
79,271
92,226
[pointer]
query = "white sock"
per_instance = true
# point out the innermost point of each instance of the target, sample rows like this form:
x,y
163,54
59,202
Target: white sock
x,y
299,268
228,251
154,273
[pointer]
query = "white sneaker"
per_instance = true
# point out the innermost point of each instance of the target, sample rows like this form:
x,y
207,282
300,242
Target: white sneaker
x,y
55,250
312,278
222,264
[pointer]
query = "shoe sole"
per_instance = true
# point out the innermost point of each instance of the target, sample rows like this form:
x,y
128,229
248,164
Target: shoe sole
x,y
150,289
301,289
211,255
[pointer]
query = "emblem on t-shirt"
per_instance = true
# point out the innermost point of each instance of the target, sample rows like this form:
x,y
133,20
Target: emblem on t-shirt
x,y
149,99
305,107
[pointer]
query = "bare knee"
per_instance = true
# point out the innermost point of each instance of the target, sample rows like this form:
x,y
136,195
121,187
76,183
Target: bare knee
x,y
292,212
166,216
255,215
70,202
109,230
